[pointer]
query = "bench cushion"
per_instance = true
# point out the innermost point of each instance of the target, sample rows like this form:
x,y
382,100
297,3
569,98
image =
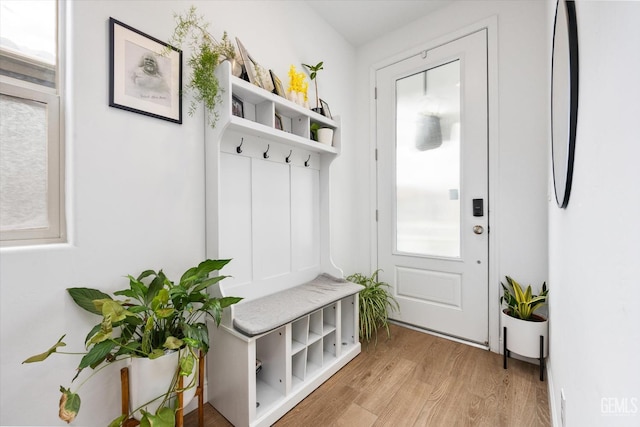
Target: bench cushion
x,y
264,314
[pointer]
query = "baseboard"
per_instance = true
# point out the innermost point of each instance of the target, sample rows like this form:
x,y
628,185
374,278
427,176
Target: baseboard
x,y
551,395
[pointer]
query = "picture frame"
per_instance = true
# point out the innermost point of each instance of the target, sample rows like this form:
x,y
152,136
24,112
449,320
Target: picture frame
x,y
237,106
246,62
278,88
145,74
255,73
325,109
278,121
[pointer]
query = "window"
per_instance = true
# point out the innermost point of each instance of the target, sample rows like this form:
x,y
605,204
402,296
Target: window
x,y
31,149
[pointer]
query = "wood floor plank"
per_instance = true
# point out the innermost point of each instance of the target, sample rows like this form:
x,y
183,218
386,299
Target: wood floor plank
x,y
356,415
416,379
386,381
406,404
322,407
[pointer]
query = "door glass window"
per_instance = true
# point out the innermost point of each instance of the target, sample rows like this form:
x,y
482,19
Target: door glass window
x,y
428,162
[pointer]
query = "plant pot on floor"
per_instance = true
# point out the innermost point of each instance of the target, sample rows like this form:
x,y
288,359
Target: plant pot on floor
x,y
150,379
523,331
325,136
527,338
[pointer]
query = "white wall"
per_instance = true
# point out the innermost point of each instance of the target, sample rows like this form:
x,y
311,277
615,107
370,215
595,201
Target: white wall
x,y
518,144
136,191
594,245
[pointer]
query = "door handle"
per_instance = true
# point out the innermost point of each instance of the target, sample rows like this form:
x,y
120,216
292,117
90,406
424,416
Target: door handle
x,y
478,229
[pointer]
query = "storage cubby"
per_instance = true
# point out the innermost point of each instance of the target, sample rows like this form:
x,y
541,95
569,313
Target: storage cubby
x,y
329,319
329,346
299,367
270,381
314,358
299,334
349,332
315,327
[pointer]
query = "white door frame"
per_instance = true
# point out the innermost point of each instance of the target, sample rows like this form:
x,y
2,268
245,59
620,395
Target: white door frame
x,y
491,24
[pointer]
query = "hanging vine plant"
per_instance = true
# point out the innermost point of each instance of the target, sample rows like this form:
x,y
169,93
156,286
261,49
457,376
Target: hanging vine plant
x,y
206,53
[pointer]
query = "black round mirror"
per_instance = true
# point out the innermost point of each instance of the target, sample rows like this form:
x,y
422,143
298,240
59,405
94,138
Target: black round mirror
x,y
564,98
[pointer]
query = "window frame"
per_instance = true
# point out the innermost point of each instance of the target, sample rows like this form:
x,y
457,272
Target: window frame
x,y
52,99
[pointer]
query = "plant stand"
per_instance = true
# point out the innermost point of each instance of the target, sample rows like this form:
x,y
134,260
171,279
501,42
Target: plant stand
x,y
132,422
506,353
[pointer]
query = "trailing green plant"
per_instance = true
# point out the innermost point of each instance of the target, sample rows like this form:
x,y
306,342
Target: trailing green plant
x,y
375,302
313,73
155,316
206,53
522,304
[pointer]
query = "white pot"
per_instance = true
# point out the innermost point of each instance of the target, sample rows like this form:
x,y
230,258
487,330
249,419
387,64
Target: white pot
x,y
523,336
325,136
150,378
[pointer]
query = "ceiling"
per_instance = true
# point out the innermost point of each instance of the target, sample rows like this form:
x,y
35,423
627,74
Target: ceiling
x,y
361,21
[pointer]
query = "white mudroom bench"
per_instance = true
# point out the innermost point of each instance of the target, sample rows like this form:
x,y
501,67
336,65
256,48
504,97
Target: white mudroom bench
x,y
275,350
268,193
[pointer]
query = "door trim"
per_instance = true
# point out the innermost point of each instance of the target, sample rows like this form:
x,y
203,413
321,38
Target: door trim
x,y
491,25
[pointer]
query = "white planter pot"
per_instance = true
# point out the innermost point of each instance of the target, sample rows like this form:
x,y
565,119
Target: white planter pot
x,y
523,337
150,378
325,136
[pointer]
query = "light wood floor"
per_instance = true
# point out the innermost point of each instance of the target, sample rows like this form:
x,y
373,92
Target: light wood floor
x,y
416,379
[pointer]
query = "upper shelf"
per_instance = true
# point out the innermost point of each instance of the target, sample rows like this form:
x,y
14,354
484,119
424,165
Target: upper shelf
x,y
260,110
255,95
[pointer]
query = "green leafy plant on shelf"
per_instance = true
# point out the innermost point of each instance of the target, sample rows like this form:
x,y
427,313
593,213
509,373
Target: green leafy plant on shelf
x,y
313,73
206,53
520,303
375,301
155,317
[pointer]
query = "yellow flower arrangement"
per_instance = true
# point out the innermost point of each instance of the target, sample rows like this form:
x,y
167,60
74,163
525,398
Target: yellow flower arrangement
x,y
298,81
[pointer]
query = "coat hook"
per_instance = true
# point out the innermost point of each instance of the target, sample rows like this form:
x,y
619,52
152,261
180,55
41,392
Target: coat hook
x,y
306,163
239,147
266,153
288,158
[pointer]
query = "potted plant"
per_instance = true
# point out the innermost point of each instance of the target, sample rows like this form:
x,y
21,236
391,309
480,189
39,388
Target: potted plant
x,y
524,331
375,301
154,320
325,135
313,73
206,54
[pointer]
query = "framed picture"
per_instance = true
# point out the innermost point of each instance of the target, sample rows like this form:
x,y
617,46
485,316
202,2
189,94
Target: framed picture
x,y
255,73
325,109
278,121
278,89
247,63
145,74
237,107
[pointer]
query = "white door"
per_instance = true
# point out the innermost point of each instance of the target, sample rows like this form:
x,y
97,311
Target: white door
x,y
433,187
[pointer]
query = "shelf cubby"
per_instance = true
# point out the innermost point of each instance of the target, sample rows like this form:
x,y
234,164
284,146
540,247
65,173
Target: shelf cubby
x,y
299,334
329,319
